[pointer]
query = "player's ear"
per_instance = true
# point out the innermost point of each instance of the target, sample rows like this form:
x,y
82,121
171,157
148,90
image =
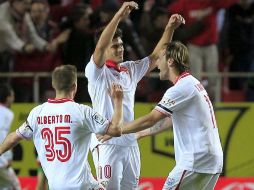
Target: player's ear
x,y
170,62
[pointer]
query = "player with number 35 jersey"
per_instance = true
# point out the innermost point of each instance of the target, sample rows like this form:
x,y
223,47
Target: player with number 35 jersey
x,y
61,130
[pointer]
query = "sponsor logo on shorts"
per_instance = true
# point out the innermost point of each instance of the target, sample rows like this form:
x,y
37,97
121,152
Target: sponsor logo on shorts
x,y
170,181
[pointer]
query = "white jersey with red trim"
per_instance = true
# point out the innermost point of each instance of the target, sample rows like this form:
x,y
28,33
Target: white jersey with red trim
x,y
61,130
99,82
196,140
6,118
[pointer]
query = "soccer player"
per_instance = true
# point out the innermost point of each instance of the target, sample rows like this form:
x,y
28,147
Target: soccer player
x,y
198,152
61,130
117,161
8,178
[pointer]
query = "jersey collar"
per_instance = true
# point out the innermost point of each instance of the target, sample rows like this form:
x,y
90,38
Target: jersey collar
x,y
184,74
112,64
61,100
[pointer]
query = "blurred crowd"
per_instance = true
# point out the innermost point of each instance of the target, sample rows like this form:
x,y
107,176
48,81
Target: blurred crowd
x,y
38,35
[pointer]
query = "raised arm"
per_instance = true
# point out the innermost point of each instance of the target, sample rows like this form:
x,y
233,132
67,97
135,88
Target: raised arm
x,y
115,127
142,123
9,142
174,22
108,33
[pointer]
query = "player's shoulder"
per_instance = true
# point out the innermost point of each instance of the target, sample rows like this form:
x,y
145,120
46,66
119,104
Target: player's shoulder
x,y
90,62
38,108
91,66
186,83
179,90
82,107
4,109
132,62
126,63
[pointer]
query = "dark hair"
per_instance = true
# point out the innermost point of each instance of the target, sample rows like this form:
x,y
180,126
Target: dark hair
x,y
109,6
63,77
179,53
158,11
75,15
118,34
5,91
77,12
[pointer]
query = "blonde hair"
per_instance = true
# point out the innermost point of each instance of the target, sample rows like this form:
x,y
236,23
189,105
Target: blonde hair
x,y
179,53
63,77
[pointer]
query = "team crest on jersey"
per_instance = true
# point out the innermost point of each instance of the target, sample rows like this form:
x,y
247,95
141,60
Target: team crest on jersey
x,y
98,118
168,102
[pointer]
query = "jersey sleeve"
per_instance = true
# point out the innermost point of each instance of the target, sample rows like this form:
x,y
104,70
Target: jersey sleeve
x,y
92,71
25,131
173,100
27,128
139,68
95,122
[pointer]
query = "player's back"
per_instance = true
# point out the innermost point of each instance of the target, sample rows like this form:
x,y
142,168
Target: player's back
x,y
62,138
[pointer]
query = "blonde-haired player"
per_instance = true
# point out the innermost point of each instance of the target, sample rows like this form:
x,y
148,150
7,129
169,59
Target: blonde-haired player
x,y
61,130
198,152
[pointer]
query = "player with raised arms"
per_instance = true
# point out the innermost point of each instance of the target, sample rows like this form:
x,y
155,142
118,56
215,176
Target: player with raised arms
x,y
117,161
186,105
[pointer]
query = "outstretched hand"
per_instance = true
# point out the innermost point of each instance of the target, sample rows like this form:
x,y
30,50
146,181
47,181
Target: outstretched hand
x,y
175,21
126,8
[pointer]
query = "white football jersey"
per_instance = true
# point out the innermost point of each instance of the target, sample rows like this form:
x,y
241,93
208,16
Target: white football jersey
x,y
100,81
61,130
196,140
6,118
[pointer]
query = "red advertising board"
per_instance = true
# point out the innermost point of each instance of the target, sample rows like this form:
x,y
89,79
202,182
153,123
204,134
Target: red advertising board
x,y
224,183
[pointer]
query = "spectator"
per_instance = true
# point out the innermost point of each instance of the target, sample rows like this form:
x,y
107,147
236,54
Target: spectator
x,y
239,40
153,20
38,61
15,25
12,16
202,46
133,46
80,45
